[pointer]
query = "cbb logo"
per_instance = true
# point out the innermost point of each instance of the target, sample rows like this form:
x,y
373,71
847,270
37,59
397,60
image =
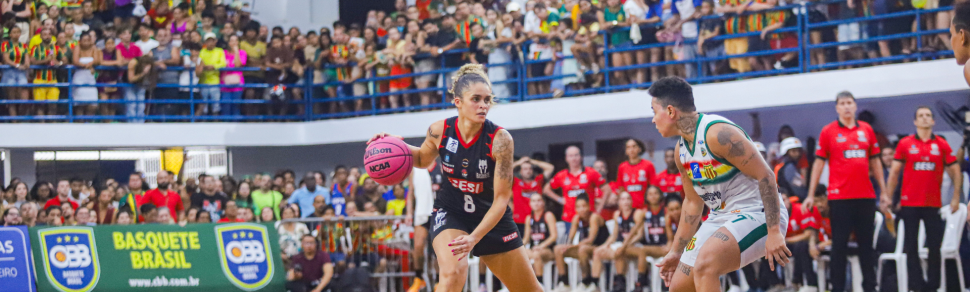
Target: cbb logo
x,y
245,255
70,258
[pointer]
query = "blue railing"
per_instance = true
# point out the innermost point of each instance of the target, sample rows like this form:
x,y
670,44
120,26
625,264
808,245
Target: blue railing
x,y
314,105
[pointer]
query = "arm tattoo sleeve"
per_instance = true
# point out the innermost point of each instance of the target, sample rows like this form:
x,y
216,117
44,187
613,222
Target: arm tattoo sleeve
x,y
769,197
736,146
432,134
503,151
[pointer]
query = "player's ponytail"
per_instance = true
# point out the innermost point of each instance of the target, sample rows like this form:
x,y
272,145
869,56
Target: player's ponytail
x,y
467,75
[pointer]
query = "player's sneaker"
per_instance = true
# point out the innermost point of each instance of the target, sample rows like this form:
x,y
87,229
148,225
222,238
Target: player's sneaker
x,y
734,288
591,288
482,287
417,286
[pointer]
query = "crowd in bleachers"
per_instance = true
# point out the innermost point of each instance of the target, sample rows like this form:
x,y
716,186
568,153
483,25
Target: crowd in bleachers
x,y
560,46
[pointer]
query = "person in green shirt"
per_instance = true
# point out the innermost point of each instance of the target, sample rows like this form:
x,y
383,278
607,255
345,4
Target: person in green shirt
x,y
265,196
614,16
243,196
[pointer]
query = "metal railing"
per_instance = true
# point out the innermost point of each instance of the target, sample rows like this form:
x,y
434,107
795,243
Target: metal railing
x,y
313,102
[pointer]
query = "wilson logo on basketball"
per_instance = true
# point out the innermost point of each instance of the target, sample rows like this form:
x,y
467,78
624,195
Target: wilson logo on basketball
x,y
376,151
466,186
380,167
510,237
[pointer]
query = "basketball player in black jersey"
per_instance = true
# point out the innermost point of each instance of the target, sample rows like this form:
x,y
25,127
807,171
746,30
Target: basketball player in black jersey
x,y
592,232
624,244
471,209
540,230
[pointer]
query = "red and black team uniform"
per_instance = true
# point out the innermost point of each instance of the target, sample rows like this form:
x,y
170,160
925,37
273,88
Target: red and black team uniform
x,y
798,223
634,179
602,234
669,183
522,191
851,196
466,196
924,162
539,230
625,225
586,182
654,227
607,211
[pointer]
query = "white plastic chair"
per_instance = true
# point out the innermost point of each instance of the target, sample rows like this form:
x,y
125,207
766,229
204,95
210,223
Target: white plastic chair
x,y
950,250
899,257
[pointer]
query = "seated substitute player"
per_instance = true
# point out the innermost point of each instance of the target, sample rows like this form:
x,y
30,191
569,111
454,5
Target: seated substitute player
x,y
723,170
592,232
540,230
625,243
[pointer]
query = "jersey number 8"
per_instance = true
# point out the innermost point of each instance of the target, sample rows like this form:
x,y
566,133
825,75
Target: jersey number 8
x,y
469,204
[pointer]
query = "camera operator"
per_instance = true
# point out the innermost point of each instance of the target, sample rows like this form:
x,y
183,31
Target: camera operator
x,y
309,271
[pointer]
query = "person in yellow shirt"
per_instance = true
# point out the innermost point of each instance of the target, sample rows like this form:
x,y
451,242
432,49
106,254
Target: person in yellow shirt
x,y
36,40
397,205
213,59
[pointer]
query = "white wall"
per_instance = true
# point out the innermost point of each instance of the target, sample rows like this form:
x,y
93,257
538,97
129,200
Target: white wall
x,y
305,14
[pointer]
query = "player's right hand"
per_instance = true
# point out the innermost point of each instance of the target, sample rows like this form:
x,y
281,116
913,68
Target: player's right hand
x,y
807,204
668,266
382,135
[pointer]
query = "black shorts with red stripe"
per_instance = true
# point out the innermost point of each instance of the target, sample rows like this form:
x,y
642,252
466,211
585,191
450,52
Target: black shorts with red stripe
x,y
502,238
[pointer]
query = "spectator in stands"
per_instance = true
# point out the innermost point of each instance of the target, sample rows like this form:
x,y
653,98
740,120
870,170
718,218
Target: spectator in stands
x,y
213,59
149,212
164,216
19,194
28,212
290,233
166,54
265,196
790,179
306,194
343,190
851,150
235,58
124,217
612,18
309,270
371,193
267,215
105,212
396,206
203,217
133,199
83,216
63,195
11,217
243,196
231,212
41,192
278,59
711,48
210,199
46,53
85,57
15,55
164,196
142,76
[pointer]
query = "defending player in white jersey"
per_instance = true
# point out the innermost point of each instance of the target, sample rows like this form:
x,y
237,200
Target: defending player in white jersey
x,y
721,168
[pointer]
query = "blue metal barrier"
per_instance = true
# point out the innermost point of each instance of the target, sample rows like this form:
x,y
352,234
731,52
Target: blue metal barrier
x,y
315,98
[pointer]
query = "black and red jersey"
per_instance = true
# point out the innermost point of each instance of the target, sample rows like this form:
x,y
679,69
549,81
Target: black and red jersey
x,y
848,151
625,225
654,227
924,162
468,168
522,192
538,229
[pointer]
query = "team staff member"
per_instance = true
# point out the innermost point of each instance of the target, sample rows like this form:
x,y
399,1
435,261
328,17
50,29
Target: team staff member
x,y
851,149
922,158
669,180
635,174
574,181
525,185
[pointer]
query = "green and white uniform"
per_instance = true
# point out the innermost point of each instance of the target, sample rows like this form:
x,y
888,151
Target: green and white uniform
x,y
734,199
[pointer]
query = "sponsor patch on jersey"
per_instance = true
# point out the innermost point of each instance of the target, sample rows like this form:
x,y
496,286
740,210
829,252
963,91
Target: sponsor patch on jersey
x,y
913,149
482,169
695,170
466,186
862,135
582,178
510,237
464,173
70,258
935,150
452,145
244,251
447,158
447,169
439,219
703,152
464,163
840,138
709,171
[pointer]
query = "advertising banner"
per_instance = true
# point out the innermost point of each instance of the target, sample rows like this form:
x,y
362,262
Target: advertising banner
x,y
16,271
197,257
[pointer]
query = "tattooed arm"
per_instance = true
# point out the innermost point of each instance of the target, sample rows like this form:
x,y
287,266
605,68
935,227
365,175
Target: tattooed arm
x,y
735,147
502,151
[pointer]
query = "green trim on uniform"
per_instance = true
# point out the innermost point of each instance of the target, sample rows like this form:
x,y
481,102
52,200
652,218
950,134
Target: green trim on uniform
x,y
708,144
690,146
754,236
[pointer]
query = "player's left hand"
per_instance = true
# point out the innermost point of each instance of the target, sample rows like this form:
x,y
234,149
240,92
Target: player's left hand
x,y
462,245
775,250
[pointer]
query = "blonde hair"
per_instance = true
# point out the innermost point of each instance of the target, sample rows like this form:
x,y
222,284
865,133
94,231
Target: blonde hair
x,y
467,75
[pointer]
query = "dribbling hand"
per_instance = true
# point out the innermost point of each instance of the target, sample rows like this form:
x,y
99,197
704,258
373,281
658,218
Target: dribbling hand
x,y
382,135
462,245
668,266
